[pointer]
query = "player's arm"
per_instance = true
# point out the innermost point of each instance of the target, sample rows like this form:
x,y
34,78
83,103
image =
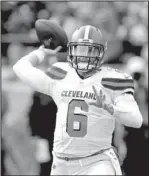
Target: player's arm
x,y
124,107
126,111
26,70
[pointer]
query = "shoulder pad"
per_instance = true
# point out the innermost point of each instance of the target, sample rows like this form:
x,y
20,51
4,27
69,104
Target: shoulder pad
x,y
57,71
115,73
117,80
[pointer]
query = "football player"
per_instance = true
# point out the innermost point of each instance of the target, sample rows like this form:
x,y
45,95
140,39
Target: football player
x,y
89,97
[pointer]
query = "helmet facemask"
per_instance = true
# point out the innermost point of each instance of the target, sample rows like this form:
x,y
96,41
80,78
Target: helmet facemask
x,y
85,56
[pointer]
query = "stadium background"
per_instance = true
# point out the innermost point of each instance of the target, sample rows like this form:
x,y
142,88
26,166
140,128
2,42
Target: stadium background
x,y
125,25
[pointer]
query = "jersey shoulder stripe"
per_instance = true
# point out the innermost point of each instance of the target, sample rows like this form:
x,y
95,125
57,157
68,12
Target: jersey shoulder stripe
x,y
58,70
118,80
56,73
117,83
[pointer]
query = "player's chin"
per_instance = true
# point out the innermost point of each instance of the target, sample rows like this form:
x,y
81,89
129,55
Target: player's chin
x,y
84,67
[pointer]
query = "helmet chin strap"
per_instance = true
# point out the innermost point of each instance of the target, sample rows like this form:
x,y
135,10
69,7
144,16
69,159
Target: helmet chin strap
x,y
88,73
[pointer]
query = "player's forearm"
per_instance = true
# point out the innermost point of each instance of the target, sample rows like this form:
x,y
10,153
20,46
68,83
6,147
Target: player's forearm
x,y
26,63
128,113
132,118
35,57
33,76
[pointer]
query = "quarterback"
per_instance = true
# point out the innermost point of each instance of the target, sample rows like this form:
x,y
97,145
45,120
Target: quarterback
x,y
89,97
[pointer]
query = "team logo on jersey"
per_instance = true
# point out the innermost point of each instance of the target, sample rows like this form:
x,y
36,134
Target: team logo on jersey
x,y
78,94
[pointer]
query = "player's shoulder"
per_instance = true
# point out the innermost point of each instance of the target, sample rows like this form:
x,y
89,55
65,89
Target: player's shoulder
x,y
116,79
58,70
61,65
109,72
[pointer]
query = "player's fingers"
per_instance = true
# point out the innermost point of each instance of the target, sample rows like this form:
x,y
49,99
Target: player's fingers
x,y
41,47
98,97
96,93
50,51
58,49
101,93
104,98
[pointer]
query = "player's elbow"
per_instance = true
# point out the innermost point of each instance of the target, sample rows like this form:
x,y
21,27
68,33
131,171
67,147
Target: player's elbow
x,y
127,112
20,68
17,68
137,119
131,119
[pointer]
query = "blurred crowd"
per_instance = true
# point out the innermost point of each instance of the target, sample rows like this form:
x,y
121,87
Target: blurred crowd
x,y
125,26
125,21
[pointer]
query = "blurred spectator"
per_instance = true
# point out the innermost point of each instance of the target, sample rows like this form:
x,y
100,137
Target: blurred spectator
x,y
124,21
144,52
136,161
19,150
4,109
42,118
20,20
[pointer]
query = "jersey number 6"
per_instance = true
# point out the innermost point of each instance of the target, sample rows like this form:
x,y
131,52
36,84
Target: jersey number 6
x,y
77,123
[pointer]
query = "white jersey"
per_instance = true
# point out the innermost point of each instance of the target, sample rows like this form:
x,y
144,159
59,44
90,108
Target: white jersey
x,y
81,128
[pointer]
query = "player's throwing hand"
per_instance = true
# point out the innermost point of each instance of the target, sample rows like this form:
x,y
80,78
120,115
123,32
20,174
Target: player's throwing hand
x,y
50,51
101,101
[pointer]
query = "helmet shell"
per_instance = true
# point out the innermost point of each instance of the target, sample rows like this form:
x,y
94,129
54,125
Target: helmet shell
x,y
88,33
89,39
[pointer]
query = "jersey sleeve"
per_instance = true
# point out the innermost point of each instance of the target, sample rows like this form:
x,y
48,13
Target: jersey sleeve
x,y
119,83
34,77
57,71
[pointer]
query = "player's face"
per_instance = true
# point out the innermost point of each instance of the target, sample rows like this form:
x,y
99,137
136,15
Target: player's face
x,y
87,57
86,51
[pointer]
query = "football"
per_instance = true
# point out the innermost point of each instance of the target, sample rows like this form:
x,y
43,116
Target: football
x,y
51,34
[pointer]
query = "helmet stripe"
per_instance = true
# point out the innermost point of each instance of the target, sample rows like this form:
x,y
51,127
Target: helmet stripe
x,y
90,33
86,34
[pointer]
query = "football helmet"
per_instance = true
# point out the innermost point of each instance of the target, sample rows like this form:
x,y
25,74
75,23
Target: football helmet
x,y
86,48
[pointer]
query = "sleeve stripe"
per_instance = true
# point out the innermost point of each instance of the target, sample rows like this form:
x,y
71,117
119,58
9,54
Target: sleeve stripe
x,y
117,80
53,76
124,84
58,70
119,88
56,73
